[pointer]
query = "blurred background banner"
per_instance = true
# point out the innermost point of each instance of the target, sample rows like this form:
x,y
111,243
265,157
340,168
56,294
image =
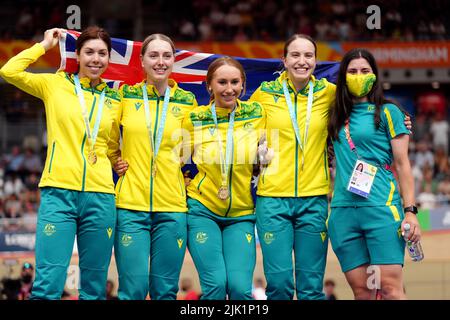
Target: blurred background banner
x,y
17,241
389,54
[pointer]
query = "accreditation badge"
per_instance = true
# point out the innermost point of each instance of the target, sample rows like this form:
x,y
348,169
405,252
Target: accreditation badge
x,y
362,178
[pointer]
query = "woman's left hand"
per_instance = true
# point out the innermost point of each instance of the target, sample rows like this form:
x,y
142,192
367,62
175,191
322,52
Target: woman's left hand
x,y
120,167
414,231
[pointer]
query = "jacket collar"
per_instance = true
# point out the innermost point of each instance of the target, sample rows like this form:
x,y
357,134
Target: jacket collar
x,y
291,87
86,83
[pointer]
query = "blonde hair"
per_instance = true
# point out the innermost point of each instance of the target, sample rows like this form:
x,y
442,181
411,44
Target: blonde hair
x,y
226,60
155,36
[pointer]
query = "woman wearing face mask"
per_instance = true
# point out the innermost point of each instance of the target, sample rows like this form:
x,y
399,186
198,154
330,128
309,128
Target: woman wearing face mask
x,y
224,135
150,195
77,189
367,217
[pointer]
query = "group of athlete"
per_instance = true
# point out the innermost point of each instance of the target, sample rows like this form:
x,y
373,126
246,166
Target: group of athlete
x,y
147,131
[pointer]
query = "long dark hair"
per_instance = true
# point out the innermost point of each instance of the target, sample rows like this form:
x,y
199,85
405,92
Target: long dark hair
x,y
343,105
295,37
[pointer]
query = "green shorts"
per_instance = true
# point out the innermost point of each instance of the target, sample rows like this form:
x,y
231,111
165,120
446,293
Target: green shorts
x,y
366,235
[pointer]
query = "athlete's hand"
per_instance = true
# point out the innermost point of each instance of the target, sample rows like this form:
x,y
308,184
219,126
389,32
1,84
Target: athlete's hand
x,y
414,232
120,167
51,38
408,123
265,154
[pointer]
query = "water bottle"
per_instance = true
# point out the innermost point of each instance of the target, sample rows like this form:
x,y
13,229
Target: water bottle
x,y
414,249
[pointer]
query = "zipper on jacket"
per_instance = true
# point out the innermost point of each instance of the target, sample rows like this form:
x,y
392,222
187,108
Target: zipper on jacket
x,y
181,182
231,191
83,181
51,157
151,163
200,183
230,182
120,186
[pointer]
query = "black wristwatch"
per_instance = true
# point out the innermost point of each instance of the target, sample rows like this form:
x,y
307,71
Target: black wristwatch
x,y
412,209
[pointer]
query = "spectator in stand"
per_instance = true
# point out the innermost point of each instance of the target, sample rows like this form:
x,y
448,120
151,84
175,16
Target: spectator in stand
x,y
13,213
440,129
20,288
13,185
421,127
437,30
426,199
271,19
17,107
441,163
444,190
428,182
14,160
26,281
417,174
424,157
31,163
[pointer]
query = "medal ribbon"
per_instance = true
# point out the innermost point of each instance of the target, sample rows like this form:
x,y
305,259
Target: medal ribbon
x,y
155,144
352,144
225,163
91,138
294,118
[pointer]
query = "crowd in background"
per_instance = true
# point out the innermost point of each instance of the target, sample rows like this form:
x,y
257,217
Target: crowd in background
x,y
233,20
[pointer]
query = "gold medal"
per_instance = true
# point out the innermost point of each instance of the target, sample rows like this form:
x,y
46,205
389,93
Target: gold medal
x,y
223,193
92,157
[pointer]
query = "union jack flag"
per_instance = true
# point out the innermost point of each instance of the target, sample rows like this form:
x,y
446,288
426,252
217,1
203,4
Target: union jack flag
x,y
189,70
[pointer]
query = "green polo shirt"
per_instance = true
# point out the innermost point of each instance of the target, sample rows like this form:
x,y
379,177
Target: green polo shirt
x,y
374,147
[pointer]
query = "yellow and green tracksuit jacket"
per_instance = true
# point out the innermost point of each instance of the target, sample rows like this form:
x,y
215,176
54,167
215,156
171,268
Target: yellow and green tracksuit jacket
x,y
284,176
138,189
66,165
249,126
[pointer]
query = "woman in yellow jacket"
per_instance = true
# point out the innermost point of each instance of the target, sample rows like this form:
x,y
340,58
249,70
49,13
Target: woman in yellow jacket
x,y
77,189
151,196
291,206
221,220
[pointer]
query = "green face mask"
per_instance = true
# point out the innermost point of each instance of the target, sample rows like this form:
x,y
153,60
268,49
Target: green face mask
x,y
360,85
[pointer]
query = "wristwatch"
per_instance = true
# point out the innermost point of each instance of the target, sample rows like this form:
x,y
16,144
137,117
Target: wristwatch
x,y
412,209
